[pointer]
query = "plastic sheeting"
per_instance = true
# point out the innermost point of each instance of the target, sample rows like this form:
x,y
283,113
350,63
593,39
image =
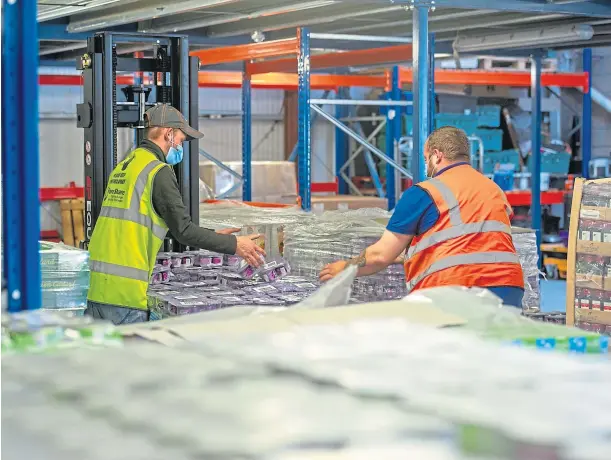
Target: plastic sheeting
x,y
65,276
525,242
338,235
315,391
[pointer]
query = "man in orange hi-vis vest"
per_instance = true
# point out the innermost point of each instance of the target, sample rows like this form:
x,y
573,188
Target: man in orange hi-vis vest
x,y
455,227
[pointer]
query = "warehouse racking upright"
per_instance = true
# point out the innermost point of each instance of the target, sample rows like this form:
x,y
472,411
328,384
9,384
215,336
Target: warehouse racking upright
x,y
20,191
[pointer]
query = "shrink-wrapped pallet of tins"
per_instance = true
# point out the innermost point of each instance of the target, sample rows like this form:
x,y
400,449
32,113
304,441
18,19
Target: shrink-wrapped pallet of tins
x,y
337,235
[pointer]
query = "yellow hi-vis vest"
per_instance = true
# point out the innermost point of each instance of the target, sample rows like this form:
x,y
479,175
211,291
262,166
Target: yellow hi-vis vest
x,y
127,235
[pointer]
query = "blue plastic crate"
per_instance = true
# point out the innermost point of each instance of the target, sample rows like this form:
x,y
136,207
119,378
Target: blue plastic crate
x,y
489,116
504,179
507,160
552,162
555,163
492,139
466,122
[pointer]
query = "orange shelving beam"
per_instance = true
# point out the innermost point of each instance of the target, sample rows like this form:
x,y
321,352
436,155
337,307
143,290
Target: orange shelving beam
x,y
215,79
247,52
287,81
365,57
501,78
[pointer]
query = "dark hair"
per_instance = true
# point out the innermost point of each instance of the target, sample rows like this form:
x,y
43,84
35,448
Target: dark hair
x,y
450,141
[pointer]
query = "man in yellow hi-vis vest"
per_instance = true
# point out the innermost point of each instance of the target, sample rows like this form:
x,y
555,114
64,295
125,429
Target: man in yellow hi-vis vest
x,y
141,203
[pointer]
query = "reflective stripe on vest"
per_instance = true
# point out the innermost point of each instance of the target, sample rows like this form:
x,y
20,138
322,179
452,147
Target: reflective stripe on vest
x,y
486,226
133,214
464,259
450,199
107,268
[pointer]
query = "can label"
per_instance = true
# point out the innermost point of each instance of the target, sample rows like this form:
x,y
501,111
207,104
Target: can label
x,y
597,236
584,303
585,235
596,304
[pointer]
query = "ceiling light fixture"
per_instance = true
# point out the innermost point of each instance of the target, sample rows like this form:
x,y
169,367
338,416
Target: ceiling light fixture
x,y
535,38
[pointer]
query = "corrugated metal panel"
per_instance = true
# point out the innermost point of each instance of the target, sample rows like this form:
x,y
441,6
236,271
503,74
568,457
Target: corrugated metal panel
x,y
223,139
229,100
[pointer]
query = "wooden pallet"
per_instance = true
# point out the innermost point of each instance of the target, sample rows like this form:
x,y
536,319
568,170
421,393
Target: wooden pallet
x,y
73,229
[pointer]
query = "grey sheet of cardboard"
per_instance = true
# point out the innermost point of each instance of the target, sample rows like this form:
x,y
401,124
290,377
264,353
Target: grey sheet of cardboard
x,y
415,312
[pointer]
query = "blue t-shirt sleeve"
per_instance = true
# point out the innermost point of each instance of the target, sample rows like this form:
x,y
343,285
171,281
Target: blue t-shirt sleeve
x,y
414,214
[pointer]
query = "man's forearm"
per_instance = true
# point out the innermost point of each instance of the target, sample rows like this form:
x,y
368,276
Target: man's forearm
x,y
368,262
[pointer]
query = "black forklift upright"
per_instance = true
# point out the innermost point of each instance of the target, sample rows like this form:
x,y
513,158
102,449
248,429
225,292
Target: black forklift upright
x,y
111,102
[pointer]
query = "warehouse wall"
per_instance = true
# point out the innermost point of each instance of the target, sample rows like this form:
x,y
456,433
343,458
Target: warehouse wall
x,y
61,141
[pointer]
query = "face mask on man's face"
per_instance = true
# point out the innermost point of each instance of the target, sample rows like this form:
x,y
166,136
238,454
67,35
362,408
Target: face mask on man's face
x,y
175,153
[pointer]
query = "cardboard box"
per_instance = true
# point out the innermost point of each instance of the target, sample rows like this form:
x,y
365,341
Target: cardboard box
x,y
345,202
249,320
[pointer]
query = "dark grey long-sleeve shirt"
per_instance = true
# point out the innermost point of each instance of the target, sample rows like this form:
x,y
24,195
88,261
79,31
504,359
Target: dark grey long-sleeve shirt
x,y
168,203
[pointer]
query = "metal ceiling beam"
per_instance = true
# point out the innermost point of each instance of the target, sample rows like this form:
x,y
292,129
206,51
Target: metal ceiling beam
x,y
170,25
58,32
78,7
62,48
293,20
583,8
71,52
407,22
126,15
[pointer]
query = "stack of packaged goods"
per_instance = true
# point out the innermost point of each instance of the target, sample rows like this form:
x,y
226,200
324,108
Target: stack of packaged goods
x,y
485,317
591,300
392,390
65,277
196,281
337,235
525,242
44,330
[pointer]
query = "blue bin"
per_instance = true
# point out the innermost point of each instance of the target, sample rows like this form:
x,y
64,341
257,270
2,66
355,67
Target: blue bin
x,y
504,179
466,122
507,160
489,116
492,139
555,163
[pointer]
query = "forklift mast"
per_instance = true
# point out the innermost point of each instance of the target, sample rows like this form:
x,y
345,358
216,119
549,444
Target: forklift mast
x,y
110,102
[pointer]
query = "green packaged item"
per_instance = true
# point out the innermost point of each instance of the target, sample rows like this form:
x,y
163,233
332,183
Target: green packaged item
x,y
64,276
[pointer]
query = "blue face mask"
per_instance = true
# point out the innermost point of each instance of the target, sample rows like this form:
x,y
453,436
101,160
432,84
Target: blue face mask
x,y
175,153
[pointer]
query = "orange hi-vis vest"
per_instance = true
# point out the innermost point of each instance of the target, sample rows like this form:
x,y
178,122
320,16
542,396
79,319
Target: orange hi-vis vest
x,y
470,244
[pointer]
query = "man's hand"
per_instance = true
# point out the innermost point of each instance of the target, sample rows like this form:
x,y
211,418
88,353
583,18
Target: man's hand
x,y
248,250
332,270
228,231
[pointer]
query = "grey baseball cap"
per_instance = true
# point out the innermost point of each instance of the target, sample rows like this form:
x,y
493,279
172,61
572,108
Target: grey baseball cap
x,y
166,116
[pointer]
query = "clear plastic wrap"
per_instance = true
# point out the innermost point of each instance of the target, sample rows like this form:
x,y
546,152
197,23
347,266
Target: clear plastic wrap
x,y
591,275
337,235
525,242
65,276
269,222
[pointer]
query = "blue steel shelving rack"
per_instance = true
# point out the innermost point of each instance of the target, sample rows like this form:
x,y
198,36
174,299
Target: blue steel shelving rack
x,y
20,195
